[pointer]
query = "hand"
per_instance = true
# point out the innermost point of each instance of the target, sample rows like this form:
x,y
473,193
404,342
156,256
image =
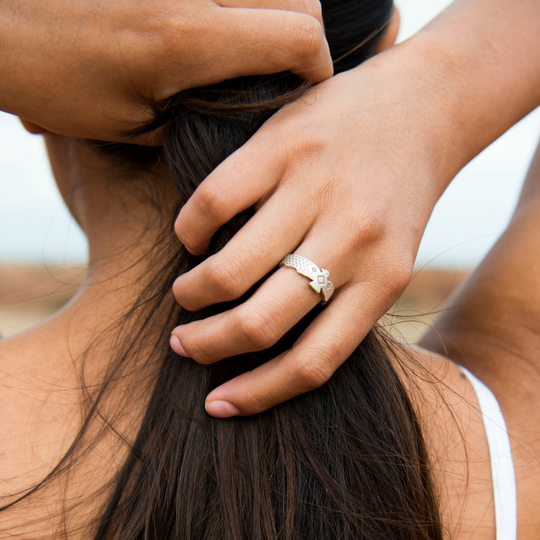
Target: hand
x,y
346,177
93,69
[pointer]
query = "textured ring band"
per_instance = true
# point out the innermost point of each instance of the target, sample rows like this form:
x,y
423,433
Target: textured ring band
x,y
318,276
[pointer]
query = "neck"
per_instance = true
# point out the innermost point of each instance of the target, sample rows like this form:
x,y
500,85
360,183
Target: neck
x,y
128,223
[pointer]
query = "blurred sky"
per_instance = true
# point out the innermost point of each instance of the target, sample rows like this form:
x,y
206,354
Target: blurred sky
x,y
35,226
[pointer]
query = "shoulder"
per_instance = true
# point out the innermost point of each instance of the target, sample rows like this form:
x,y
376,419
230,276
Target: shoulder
x,y
36,404
452,421
453,428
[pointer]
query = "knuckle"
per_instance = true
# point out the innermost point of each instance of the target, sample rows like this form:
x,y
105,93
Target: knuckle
x,y
186,228
256,401
258,328
364,232
187,303
170,27
309,38
194,346
158,30
313,371
181,296
313,8
180,230
399,276
370,229
304,142
392,280
211,201
316,10
225,278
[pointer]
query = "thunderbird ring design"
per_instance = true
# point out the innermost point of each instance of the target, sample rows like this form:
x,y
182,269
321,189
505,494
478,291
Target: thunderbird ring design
x,y
318,276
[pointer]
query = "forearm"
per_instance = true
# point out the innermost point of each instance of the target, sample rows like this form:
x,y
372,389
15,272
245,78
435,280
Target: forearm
x,y
491,53
464,79
492,324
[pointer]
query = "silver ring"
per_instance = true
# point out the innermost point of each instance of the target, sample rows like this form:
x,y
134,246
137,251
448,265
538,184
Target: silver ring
x,y
318,276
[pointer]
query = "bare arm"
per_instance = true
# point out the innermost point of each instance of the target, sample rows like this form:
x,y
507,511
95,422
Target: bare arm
x,y
492,325
490,77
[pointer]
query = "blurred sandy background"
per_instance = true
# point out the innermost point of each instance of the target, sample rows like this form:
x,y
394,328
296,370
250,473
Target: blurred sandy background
x,y
29,293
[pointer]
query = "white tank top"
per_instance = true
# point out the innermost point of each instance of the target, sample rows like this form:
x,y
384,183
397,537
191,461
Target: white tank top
x,y
502,466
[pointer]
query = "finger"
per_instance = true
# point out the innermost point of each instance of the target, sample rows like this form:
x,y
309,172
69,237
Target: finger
x,y
275,230
308,7
262,41
281,301
238,183
323,347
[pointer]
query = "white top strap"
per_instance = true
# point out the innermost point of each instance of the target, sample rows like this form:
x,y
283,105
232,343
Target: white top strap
x,y
502,466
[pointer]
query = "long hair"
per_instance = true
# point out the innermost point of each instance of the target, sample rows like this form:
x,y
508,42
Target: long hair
x,y
346,461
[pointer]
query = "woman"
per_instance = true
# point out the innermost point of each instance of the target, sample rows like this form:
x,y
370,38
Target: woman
x,y
104,432
383,140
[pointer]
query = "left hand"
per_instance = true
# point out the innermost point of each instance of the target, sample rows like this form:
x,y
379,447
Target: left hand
x,y
97,69
347,177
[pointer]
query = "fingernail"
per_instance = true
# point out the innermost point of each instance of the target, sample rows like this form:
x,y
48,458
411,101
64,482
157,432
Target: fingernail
x,y
221,409
192,252
177,347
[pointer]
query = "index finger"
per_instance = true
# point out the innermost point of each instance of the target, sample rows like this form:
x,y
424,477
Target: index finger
x,y
245,177
261,41
309,7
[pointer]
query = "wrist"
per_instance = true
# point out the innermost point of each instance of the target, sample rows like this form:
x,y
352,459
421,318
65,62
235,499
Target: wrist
x,y
477,68
434,88
405,91
457,85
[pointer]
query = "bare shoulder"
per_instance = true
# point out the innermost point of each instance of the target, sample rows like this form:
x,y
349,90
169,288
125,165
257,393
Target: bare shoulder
x,y
35,405
40,407
452,422
492,327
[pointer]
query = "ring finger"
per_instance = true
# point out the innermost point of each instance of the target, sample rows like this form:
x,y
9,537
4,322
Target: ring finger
x,y
281,302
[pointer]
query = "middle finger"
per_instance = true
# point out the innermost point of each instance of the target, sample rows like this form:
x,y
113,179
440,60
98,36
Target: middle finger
x,y
275,230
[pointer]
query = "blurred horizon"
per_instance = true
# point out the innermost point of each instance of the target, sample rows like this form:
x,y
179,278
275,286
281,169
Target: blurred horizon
x,y
30,293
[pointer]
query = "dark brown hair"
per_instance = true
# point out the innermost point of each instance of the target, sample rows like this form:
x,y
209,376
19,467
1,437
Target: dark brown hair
x,y
346,461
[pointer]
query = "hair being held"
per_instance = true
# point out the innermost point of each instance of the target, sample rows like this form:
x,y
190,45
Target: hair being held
x,y
346,461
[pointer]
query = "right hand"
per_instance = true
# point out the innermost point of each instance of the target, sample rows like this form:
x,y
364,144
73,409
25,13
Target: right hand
x,y
346,177
93,69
